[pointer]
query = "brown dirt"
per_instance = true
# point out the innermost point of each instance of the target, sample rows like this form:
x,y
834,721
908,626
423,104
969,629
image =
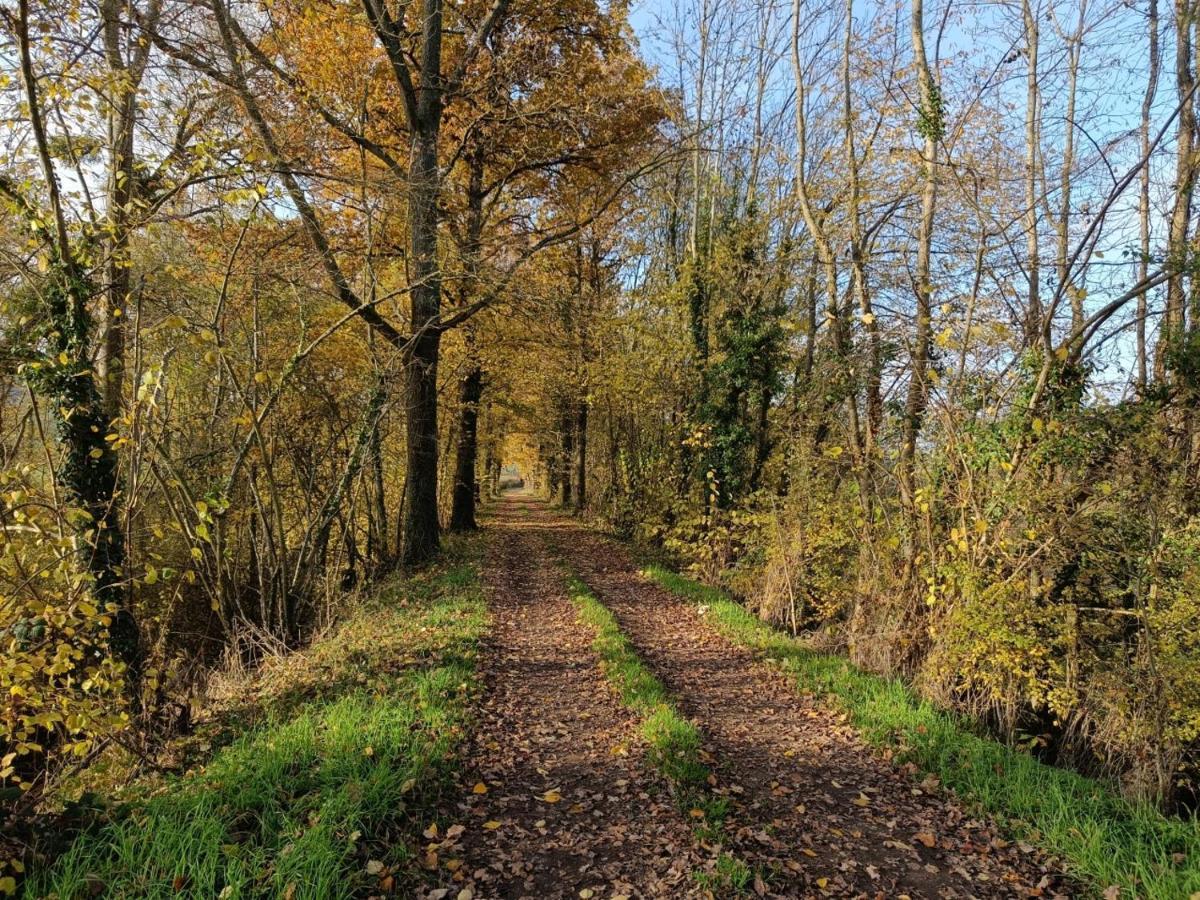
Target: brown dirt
x,y
813,810
549,722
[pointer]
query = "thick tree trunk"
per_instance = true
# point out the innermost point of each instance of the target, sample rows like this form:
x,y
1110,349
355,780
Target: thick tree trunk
x,y
421,528
462,513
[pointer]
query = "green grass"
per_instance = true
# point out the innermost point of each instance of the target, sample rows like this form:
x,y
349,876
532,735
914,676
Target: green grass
x,y
357,736
673,742
727,874
1102,838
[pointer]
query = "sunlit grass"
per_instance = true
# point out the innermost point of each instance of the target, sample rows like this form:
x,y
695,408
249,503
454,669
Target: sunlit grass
x,y
296,806
1102,838
673,742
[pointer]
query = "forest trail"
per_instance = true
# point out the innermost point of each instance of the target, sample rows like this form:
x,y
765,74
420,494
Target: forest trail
x,y
813,812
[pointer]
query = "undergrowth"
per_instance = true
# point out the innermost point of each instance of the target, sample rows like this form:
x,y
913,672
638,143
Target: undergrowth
x,y
356,738
1103,838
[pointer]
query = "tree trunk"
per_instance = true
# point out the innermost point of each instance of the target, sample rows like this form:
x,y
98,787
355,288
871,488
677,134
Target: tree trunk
x,y
1185,177
125,69
87,470
581,426
421,527
462,513
1033,312
566,461
1074,44
931,127
858,252
1144,195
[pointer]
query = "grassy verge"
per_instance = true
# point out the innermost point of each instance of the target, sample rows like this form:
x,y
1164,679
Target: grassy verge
x,y
1104,839
321,798
673,741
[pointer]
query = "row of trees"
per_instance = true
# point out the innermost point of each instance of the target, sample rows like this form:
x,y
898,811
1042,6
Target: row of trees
x,y
250,251
903,352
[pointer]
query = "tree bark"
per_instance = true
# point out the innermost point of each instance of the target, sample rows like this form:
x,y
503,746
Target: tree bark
x,y
125,70
1185,177
462,513
87,470
858,252
566,461
931,126
581,426
421,527
1144,196
1033,311
466,493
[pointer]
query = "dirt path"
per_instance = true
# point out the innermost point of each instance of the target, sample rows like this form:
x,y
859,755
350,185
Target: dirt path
x,y
568,807
809,802
812,809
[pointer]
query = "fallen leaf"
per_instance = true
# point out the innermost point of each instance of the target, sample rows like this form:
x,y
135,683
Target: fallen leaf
x,y
822,883
431,832
552,796
926,838
480,788
374,867
861,800
491,825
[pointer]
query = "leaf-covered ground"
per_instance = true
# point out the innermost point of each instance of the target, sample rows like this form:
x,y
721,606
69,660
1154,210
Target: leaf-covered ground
x,y
560,798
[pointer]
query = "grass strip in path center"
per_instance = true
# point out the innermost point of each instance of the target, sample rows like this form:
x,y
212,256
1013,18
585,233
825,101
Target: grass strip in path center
x,y
1122,849
674,743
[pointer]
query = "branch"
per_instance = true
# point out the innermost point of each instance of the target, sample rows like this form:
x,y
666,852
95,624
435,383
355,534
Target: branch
x,y
475,44
295,192
385,30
